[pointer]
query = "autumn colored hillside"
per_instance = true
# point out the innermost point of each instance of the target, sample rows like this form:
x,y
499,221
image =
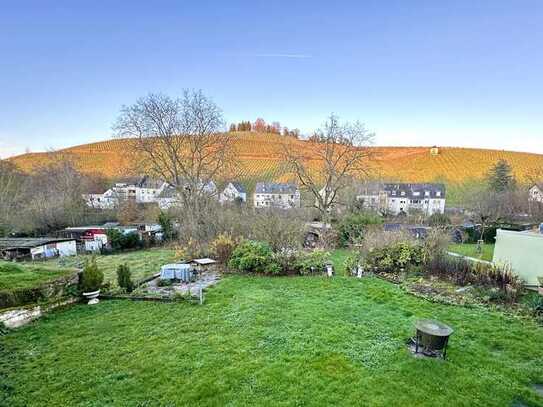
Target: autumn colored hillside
x,y
260,156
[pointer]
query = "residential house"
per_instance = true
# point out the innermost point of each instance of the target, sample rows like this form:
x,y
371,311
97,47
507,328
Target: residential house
x,y
36,248
401,198
143,191
168,198
171,197
233,192
276,195
535,193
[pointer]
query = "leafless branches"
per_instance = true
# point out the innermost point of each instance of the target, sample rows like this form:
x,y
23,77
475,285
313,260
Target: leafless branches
x,y
178,140
334,156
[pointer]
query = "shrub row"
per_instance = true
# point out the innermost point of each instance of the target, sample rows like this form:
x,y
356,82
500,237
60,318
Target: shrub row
x,y
257,257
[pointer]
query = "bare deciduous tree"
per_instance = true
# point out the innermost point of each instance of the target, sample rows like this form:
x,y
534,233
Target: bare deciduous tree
x,y
11,181
179,140
53,196
334,156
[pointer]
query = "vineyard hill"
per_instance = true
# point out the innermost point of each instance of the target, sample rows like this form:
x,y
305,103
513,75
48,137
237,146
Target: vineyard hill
x,y
260,157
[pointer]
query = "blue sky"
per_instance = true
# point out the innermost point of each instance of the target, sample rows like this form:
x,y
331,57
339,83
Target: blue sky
x,y
467,73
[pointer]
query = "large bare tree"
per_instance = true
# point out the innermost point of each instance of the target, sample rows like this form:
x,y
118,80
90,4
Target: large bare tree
x,y
179,140
11,187
335,155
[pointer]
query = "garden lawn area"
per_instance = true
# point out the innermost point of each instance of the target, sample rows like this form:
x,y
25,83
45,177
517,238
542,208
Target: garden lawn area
x,y
261,341
14,276
470,250
338,257
142,263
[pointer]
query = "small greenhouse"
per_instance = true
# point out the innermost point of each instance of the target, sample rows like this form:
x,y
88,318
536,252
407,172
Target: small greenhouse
x,y
177,271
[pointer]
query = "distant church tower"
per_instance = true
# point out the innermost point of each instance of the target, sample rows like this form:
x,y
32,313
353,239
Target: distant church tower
x,y
434,150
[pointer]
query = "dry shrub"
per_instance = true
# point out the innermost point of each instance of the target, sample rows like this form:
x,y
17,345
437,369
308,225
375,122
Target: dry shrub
x,y
222,247
491,276
376,239
190,249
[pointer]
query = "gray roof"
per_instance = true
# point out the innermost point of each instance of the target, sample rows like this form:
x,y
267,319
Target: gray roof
x,y
28,242
409,190
168,192
275,188
239,187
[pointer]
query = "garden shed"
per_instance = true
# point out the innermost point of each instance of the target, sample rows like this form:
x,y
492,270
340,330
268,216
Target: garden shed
x,y
523,251
36,248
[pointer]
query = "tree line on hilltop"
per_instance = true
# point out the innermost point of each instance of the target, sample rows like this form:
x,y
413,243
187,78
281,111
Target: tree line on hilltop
x,y
260,126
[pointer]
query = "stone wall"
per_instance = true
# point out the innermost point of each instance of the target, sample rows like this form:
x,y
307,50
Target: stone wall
x,y
14,318
48,292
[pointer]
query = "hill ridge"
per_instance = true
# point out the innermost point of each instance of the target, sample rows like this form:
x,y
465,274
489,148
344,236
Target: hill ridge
x,y
260,159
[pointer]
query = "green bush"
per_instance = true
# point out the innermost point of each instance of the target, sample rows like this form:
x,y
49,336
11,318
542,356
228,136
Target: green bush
x,y
312,262
92,277
352,262
351,228
395,257
124,278
121,241
165,221
254,257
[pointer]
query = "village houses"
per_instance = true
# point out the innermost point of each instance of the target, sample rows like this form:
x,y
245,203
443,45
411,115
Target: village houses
x,y
145,190
234,191
536,193
398,198
276,195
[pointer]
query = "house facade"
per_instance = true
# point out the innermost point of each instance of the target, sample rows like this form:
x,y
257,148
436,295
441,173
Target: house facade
x,y
232,192
399,198
535,193
143,191
276,195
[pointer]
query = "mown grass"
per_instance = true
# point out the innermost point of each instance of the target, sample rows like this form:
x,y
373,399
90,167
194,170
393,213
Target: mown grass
x,y
270,341
142,263
470,250
22,276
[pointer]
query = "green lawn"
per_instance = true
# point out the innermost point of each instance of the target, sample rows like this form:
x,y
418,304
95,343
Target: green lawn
x,y
15,276
263,341
142,263
470,250
338,258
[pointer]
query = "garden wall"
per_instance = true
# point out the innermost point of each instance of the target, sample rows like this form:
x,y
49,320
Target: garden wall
x,y
48,292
